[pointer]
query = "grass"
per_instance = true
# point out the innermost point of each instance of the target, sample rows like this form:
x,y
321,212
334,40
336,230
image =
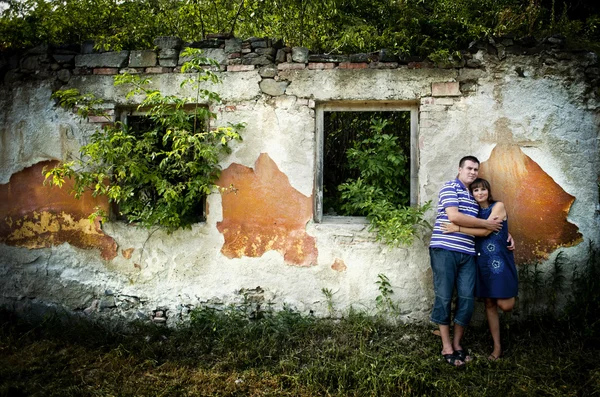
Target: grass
x,y
288,354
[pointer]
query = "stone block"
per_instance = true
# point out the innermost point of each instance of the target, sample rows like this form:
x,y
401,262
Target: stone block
x,y
445,89
105,60
268,71
290,66
259,44
359,58
168,53
32,62
63,58
142,59
328,58
384,65
168,42
281,56
300,54
158,70
167,62
272,87
266,51
259,60
218,54
233,45
240,68
41,49
63,75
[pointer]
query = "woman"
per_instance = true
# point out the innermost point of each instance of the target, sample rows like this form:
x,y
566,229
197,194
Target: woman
x,y
496,280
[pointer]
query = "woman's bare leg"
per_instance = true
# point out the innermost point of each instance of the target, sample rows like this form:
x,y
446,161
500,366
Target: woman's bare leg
x,y
491,312
506,305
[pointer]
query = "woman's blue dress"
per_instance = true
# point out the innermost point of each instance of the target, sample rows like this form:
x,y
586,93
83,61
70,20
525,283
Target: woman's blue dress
x,y
496,270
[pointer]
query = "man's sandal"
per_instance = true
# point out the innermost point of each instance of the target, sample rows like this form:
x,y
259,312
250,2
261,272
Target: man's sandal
x,y
462,355
453,360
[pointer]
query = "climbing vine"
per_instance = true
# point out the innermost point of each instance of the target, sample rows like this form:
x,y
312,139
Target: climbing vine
x,y
160,172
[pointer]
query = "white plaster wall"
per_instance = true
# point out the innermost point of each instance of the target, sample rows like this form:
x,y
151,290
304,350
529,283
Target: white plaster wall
x,y
186,269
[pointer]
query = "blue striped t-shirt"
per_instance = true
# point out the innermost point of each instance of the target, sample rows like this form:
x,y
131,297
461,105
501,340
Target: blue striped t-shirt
x,y
454,194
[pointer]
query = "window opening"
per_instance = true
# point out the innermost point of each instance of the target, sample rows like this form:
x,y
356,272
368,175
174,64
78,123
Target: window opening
x,y
360,145
139,123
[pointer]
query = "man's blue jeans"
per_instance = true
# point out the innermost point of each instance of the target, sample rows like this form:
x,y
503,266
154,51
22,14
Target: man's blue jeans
x,y
452,269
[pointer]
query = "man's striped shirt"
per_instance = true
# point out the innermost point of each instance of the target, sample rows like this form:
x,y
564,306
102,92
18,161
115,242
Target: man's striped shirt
x,y
454,194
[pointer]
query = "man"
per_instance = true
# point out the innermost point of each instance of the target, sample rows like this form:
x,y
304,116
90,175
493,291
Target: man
x,y
453,258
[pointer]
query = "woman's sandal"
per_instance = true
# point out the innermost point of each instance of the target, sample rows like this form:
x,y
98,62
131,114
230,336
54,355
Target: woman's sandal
x,y
491,357
462,355
453,360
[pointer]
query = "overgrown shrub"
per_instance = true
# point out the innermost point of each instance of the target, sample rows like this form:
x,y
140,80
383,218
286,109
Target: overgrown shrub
x,y
161,174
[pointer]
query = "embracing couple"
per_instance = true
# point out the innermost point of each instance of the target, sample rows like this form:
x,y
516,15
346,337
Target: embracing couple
x,y
470,250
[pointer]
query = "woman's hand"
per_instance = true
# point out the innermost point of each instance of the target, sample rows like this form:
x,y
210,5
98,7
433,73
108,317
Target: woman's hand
x,y
449,227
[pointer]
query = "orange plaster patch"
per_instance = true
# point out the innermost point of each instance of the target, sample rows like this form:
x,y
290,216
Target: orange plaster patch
x,y
339,265
537,206
36,216
262,212
127,253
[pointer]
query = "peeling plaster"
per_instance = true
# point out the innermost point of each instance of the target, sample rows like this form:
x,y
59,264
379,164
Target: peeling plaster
x,y
36,216
537,206
262,212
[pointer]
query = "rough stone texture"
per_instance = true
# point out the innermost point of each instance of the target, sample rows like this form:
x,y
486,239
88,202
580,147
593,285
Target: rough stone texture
x,y
300,54
103,60
142,59
233,45
268,71
272,87
168,42
531,120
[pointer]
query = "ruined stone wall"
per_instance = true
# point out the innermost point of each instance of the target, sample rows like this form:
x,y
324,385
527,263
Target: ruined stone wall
x,y
528,110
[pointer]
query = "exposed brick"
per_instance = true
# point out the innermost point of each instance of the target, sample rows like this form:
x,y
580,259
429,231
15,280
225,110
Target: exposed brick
x,y
158,69
106,70
291,66
349,65
230,108
321,65
427,100
234,55
240,68
445,89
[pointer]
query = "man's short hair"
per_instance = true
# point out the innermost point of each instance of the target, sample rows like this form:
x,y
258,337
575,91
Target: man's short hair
x,y
467,158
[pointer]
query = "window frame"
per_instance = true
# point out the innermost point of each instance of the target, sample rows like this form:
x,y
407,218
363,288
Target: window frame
x,y
361,106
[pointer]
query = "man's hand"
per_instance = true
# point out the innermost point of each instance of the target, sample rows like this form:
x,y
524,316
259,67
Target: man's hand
x,y
511,243
494,224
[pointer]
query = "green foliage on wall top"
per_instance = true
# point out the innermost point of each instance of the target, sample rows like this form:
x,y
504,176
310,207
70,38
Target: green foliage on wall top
x,y
407,27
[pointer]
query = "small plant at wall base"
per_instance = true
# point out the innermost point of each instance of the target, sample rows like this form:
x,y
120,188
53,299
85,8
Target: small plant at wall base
x,y
381,191
160,173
